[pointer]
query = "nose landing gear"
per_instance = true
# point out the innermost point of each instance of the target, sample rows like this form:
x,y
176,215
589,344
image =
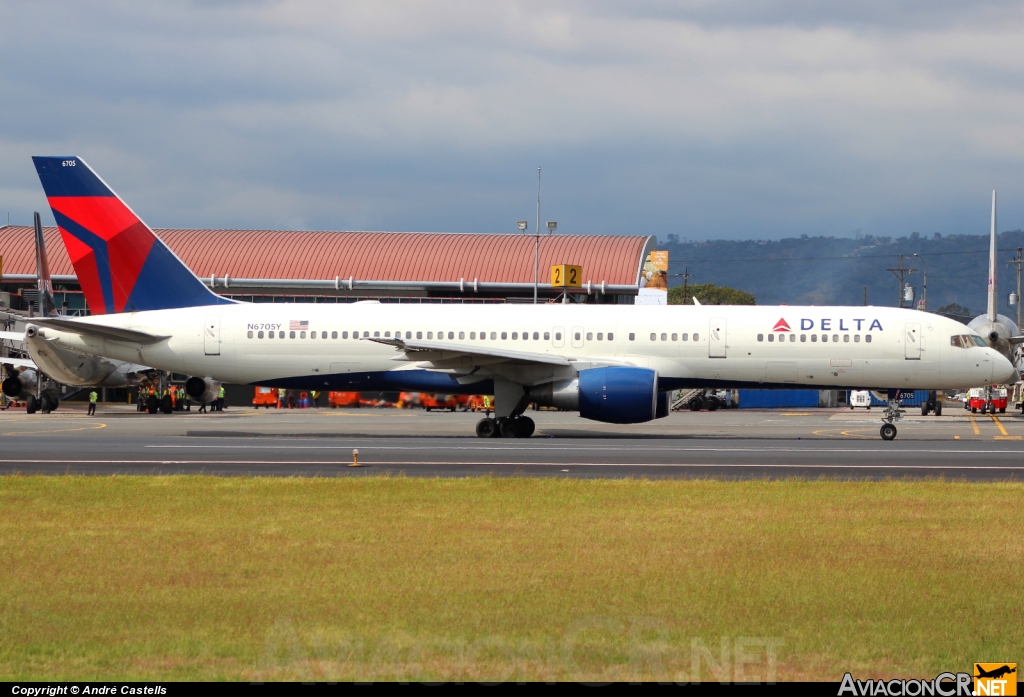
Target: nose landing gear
x,y
893,413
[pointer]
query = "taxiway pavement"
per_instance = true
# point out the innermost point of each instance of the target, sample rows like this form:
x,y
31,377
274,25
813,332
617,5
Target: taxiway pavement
x,y
730,444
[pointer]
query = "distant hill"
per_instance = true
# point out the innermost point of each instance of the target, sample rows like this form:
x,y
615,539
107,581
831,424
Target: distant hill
x,y
834,271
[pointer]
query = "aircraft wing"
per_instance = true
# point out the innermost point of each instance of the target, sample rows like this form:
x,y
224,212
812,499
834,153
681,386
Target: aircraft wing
x,y
18,363
13,336
98,330
438,351
1016,339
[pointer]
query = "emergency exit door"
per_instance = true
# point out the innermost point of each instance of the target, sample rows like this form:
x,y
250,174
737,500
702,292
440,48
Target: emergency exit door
x,y
912,342
716,338
211,335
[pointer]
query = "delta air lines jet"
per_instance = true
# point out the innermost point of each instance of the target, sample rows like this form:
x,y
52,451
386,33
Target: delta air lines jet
x,y
611,363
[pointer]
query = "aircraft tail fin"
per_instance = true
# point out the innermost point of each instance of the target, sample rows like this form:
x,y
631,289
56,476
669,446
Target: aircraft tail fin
x,y
992,244
121,264
47,304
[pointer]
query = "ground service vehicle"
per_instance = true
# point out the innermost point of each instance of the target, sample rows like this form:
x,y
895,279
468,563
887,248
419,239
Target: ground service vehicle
x,y
265,397
991,400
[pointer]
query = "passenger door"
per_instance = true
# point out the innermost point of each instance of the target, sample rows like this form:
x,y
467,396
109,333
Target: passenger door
x,y
912,342
211,335
716,338
577,337
558,337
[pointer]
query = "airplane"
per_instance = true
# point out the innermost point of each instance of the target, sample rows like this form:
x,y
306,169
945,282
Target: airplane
x,y
27,378
611,363
999,331
995,672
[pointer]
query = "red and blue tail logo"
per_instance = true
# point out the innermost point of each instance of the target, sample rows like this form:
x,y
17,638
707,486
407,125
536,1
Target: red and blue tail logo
x,y
121,265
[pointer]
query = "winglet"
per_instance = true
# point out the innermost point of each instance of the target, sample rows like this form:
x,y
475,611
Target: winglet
x,y
121,265
47,305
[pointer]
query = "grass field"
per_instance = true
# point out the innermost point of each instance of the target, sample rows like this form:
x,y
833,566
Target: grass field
x,y
496,579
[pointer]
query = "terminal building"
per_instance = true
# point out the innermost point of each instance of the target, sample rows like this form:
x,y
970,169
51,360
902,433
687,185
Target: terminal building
x,y
312,266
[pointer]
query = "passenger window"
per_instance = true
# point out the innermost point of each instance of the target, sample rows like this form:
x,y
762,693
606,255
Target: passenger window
x,y
632,336
558,336
814,338
291,335
462,335
856,338
792,338
536,336
846,338
494,335
674,338
590,336
472,336
323,335
249,334
430,335
419,335
260,335
504,335
610,336
824,338
664,337
547,336
577,335
686,337
654,337
835,338
515,335
334,335
867,338
771,338
376,335
386,334
600,336
803,338
696,336
451,335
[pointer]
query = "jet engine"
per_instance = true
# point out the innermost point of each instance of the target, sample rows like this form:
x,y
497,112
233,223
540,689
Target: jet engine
x,y
20,386
616,395
202,389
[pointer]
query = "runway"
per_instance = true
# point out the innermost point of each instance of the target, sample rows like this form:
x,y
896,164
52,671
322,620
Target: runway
x,y
731,445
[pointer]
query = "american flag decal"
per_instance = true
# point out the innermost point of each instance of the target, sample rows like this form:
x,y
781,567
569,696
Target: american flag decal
x,y
298,324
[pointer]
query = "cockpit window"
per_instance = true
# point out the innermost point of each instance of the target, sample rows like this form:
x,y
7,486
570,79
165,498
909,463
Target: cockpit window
x,y
967,341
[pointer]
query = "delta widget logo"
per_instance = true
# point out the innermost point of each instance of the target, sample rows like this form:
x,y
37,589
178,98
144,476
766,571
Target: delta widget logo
x,y
782,326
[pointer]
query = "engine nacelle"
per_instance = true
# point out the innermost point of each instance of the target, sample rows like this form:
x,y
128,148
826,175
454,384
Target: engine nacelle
x,y
202,389
614,395
20,386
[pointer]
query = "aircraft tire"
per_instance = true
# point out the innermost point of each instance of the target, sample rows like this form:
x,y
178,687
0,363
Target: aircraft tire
x,y
888,431
152,404
31,404
711,404
166,406
1002,410
974,410
924,409
938,408
46,404
695,404
485,428
505,428
524,427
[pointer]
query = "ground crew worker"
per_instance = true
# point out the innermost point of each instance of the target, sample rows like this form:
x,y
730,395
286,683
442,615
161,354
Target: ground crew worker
x,y
220,399
487,404
202,407
92,402
316,398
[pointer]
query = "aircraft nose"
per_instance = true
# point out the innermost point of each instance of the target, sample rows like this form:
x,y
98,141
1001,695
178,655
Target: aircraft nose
x,y
1003,371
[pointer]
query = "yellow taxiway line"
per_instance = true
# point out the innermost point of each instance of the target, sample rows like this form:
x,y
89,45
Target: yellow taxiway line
x,y
974,425
1005,436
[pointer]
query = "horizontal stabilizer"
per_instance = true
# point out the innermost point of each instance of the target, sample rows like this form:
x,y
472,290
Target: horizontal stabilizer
x,y
99,331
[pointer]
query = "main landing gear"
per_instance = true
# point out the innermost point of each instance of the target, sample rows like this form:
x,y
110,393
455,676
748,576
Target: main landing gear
x,y
505,427
893,413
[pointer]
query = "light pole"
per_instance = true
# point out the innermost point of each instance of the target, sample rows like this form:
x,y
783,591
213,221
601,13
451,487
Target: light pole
x,y
523,225
924,288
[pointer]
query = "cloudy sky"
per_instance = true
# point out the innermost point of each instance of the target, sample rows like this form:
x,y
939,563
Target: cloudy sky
x,y
707,119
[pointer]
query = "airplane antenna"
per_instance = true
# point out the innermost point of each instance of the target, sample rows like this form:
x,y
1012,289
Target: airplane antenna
x,y
992,265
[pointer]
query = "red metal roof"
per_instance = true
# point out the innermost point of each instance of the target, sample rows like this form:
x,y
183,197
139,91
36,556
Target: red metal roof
x,y
386,256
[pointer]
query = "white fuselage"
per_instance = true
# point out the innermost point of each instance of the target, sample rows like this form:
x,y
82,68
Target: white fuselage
x,y
840,347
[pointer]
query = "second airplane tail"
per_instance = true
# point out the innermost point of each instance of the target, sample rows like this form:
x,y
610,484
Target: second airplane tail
x,y
121,264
